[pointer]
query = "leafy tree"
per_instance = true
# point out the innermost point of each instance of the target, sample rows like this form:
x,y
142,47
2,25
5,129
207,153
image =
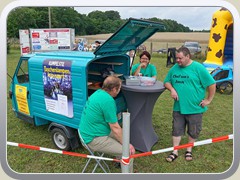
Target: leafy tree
x,y
113,15
96,22
21,18
65,17
92,26
103,22
99,15
42,19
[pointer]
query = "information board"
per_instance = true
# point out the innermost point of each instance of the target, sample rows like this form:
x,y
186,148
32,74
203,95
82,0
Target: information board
x,y
52,39
24,41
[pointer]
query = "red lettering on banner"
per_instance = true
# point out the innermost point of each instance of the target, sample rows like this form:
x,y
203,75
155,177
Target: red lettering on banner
x,y
35,35
56,30
26,50
53,41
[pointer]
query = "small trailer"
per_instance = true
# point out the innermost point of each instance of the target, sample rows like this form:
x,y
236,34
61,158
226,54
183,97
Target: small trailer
x,y
53,87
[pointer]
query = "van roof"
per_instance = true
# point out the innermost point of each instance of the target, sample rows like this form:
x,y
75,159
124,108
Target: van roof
x,y
78,56
67,54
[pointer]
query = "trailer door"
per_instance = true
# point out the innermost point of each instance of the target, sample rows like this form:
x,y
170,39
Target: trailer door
x,y
20,90
128,37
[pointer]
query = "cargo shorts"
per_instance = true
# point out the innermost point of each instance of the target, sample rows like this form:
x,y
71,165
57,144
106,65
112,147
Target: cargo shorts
x,y
109,145
193,122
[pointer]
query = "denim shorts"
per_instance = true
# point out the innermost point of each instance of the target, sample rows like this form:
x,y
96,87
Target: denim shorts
x,y
193,122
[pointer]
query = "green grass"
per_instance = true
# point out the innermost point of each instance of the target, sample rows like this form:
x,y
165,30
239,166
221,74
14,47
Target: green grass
x,y
212,158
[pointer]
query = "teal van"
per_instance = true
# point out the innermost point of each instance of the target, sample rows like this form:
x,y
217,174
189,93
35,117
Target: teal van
x,y
53,87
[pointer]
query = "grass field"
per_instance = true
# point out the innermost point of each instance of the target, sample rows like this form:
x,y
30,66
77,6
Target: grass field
x,y
212,158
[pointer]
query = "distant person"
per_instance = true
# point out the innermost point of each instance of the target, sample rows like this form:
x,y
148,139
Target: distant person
x,y
144,68
78,46
131,55
97,43
99,126
85,47
81,46
187,82
75,47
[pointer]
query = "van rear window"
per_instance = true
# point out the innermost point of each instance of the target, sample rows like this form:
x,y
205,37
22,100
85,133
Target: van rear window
x,y
22,74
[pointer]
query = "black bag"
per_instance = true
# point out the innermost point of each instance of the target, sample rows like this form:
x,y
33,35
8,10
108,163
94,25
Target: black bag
x,y
106,72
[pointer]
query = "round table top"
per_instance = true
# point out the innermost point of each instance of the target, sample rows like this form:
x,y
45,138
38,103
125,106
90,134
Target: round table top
x,y
157,87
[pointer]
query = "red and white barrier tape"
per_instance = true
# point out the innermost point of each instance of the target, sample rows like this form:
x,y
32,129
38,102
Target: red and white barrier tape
x,y
199,143
59,151
125,160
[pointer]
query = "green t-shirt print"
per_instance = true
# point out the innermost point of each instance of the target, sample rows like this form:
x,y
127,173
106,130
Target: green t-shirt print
x,y
190,82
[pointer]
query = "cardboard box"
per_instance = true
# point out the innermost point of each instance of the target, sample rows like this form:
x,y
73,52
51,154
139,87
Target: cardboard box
x,y
132,80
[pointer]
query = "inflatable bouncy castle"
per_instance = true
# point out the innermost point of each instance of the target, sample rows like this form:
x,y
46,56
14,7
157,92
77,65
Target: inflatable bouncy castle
x,y
220,47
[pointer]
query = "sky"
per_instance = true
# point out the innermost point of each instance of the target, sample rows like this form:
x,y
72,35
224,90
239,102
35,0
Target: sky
x,y
196,18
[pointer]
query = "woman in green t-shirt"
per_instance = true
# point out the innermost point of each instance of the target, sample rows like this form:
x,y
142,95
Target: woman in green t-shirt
x,y
144,68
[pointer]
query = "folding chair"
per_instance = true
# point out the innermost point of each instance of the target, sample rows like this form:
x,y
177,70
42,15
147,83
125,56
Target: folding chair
x,y
99,162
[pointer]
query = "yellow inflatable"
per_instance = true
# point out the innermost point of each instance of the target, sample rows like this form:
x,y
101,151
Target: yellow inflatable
x,y
221,21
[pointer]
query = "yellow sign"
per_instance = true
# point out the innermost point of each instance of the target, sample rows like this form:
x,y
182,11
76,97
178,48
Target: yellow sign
x,y
21,94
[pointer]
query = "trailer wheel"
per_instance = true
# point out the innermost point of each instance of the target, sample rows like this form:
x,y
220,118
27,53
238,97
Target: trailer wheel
x,y
226,88
60,139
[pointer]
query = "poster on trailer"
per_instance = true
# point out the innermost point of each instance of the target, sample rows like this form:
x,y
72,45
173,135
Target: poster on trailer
x,y
58,87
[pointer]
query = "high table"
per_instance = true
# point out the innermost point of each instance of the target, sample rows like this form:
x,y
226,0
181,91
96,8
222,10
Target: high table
x,y
140,102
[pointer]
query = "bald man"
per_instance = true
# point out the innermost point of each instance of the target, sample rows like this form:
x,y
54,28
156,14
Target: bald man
x,y
99,126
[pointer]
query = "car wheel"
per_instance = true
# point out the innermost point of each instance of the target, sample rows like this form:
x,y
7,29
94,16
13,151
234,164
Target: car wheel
x,y
60,139
226,88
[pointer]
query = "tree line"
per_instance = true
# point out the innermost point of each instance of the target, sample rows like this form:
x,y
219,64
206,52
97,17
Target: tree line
x,y
96,22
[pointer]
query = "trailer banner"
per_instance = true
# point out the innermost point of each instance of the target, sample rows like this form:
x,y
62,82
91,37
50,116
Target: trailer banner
x,y
58,86
21,94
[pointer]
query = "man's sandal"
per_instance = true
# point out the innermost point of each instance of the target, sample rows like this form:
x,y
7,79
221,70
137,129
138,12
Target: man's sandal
x,y
188,156
171,157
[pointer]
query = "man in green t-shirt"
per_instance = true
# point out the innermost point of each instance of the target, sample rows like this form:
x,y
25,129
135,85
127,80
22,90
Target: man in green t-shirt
x,y
144,68
187,82
99,126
